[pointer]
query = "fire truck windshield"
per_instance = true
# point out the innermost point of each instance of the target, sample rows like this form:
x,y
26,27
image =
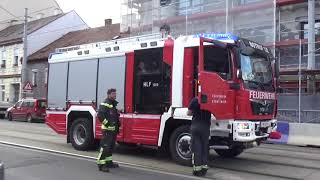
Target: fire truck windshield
x,y
257,72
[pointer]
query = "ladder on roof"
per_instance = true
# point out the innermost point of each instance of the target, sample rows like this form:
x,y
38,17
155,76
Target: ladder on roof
x,y
141,38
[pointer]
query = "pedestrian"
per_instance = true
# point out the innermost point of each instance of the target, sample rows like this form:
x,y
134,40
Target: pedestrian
x,y
200,132
109,118
141,68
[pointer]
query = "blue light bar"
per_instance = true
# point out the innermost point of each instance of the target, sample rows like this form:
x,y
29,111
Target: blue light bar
x,y
217,36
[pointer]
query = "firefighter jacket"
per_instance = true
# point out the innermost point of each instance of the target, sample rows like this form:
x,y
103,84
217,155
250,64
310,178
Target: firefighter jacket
x,y
109,116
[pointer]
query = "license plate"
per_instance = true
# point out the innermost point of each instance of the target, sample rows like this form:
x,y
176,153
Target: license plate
x,y
265,124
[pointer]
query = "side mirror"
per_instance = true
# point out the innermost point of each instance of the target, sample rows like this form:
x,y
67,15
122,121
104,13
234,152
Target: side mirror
x,y
247,51
239,74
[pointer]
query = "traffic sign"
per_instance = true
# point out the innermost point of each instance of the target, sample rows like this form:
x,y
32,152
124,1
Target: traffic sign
x,y
28,87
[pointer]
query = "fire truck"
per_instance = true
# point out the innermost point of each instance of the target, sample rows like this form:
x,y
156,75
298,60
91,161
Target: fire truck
x,y
156,77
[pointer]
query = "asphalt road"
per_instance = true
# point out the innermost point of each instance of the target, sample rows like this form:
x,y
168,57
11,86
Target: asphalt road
x,y
265,162
26,164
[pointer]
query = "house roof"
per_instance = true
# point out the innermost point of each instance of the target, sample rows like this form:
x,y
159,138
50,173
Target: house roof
x,y
74,38
14,33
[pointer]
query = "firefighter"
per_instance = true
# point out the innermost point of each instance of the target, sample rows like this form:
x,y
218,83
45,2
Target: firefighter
x,y
200,132
109,118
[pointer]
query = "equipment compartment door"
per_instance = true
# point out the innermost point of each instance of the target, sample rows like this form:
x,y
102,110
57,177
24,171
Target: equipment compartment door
x,y
138,126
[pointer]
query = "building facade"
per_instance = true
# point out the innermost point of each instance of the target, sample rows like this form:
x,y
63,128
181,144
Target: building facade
x,y
292,45
252,19
278,24
10,71
41,32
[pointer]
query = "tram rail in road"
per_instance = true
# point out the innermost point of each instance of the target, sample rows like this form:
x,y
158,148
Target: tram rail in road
x,y
37,158
268,162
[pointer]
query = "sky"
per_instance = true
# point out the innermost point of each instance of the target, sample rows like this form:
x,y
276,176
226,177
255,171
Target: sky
x,y
93,12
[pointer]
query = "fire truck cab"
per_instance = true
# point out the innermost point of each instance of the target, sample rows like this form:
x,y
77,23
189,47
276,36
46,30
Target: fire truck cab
x,y
156,78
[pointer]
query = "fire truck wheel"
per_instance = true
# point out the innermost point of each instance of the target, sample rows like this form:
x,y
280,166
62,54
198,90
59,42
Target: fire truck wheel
x,y
81,134
180,145
229,153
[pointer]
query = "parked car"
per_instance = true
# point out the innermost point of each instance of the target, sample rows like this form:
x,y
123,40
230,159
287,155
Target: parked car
x,y
3,108
28,110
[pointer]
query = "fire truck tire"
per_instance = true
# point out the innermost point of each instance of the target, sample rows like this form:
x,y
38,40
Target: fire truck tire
x,y
229,153
180,145
81,134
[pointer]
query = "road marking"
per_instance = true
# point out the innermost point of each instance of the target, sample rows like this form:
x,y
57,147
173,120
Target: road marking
x,y
124,164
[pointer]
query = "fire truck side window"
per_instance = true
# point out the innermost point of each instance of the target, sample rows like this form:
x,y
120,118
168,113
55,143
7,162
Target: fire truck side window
x,y
217,60
149,81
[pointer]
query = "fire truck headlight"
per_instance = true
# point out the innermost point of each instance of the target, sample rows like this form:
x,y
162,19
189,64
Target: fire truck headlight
x,y
243,126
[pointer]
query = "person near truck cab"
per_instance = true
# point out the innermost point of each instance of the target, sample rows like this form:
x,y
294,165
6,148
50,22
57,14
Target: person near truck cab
x,y
109,117
200,132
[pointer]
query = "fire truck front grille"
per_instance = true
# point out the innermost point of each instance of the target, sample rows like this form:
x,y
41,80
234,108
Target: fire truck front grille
x,y
262,107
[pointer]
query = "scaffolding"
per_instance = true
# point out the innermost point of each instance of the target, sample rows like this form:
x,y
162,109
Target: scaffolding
x,y
252,19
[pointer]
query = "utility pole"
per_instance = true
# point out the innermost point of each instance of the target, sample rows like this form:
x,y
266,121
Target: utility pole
x,y
311,46
25,55
227,16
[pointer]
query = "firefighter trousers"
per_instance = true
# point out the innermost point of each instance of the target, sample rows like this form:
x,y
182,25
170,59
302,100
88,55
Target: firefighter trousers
x,y
107,144
200,146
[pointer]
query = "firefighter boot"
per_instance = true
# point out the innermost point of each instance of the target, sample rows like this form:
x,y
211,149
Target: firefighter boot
x,y
104,168
197,173
113,165
204,172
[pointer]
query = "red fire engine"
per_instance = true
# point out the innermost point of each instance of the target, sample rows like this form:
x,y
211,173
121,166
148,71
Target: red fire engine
x,y
156,78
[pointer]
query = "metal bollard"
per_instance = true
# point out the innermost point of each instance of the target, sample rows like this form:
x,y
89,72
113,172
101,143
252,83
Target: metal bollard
x,y
1,171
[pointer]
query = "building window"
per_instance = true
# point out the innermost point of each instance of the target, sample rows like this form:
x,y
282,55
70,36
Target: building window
x,y
3,63
305,26
15,61
3,58
164,2
245,2
304,35
184,5
46,76
34,77
3,53
3,92
16,57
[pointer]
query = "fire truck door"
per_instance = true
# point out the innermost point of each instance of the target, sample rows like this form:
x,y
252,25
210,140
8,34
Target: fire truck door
x,y
214,91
